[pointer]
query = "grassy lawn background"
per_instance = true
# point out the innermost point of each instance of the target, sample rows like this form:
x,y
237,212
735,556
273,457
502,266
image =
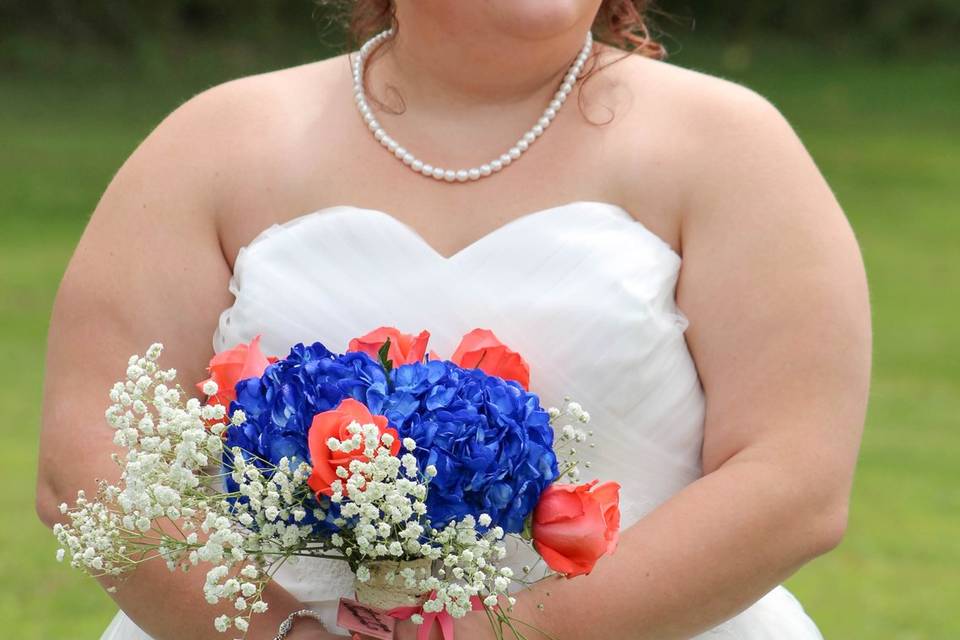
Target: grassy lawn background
x,y
883,132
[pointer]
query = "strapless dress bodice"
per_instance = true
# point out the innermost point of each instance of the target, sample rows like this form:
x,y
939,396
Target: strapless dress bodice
x,y
583,291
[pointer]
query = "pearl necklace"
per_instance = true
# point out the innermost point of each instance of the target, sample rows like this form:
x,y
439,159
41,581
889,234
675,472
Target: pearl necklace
x,y
484,170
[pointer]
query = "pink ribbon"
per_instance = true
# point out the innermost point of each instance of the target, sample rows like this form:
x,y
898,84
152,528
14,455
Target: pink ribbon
x,y
430,618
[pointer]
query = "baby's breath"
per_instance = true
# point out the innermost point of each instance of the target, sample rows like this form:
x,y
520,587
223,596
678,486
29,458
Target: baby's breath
x,y
171,504
567,423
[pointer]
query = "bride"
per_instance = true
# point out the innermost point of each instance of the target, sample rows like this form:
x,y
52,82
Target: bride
x,y
655,241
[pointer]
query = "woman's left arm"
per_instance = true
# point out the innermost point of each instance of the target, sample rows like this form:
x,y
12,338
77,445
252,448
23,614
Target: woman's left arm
x,y
775,290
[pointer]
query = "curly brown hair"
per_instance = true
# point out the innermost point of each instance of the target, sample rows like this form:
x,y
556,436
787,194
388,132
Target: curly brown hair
x,y
619,23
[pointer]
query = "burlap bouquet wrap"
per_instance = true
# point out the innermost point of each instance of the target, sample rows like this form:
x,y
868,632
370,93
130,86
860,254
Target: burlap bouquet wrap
x,y
379,593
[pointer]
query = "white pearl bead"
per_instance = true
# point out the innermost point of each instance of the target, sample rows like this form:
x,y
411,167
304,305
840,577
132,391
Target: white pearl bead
x,y
537,130
474,174
379,134
561,98
550,113
416,165
393,145
485,170
529,137
544,122
399,152
505,159
496,165
566,88
437,173
449,175
514,153
374,126
463,175
521,146
554,104
386,140
408,158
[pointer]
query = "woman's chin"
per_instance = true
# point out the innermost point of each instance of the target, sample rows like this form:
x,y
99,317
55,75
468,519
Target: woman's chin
x,y
520,19
539,19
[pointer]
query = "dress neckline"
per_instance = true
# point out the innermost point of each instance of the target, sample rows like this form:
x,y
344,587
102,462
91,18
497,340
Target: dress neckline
x,y
529,217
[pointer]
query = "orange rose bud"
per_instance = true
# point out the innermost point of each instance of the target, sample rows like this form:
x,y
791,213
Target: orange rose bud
x,y
404,348
333,424
227,368
576,525
480,349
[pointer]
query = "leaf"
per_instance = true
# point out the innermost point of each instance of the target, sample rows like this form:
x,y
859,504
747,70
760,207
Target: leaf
x,y
382,354
385,362
527,533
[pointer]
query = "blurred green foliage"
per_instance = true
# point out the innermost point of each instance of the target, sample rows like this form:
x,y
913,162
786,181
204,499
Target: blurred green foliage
x,y
122,23
886,26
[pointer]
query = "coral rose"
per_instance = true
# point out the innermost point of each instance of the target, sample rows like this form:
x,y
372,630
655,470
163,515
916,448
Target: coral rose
x,y
576,525
404,348
229,367
480,349
333,424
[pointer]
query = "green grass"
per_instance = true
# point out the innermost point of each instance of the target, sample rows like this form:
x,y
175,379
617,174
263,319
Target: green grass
x,y
883,134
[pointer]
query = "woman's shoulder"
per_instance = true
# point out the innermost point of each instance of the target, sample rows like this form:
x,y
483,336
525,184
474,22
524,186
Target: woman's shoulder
x,y
717,136
247,135
685,139
261,105
699,108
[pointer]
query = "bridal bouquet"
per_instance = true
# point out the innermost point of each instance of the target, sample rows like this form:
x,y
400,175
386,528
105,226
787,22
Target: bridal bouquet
x,y
411,468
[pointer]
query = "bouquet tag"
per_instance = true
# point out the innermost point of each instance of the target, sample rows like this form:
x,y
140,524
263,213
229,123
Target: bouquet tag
x,y
359,618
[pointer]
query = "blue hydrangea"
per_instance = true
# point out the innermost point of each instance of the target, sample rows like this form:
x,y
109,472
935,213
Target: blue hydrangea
x,y
489,439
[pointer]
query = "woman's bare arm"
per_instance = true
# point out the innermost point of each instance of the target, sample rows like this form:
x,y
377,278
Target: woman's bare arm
x,y
775,290
148,268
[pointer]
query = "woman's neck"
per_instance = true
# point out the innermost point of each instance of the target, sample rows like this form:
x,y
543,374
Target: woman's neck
x,y
434,69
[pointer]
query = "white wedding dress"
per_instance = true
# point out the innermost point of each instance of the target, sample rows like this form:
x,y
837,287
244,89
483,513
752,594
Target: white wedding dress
x,y
583,291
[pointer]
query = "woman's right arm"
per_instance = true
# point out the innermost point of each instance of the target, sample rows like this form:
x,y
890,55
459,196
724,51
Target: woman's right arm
x,y
149,267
